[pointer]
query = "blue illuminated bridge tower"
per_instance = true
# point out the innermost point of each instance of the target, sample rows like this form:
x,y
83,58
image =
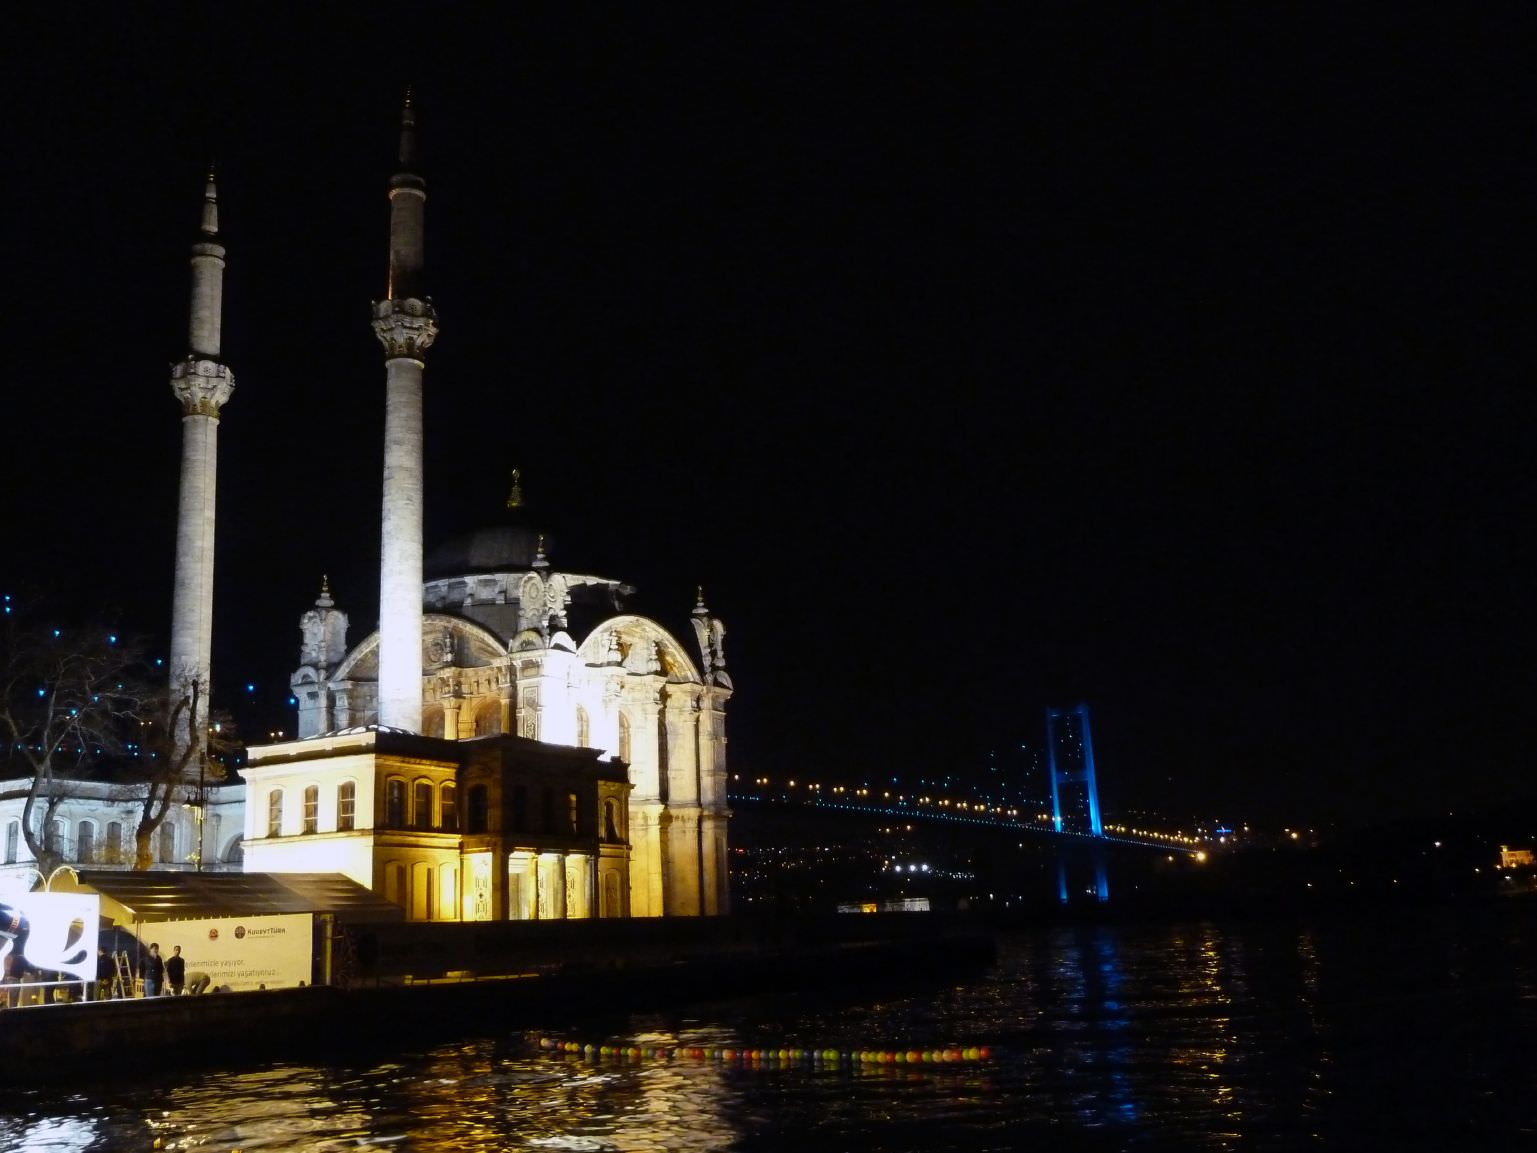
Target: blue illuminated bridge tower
x,y
1074,794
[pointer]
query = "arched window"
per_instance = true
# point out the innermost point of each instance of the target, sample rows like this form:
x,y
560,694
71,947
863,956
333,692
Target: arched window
x,y
478,809
421,805
610,824
488,718
275,813
448,802
85,843
346,805
395,804
53,836
114,846
12,839
167,843
624,738
421,892
432,722
311,808
583,728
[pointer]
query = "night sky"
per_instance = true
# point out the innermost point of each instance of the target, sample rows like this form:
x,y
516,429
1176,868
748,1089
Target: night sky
x,y
975,361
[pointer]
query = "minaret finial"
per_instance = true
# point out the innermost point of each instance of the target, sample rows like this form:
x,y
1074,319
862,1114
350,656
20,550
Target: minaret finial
x,y
515,497
210,224
540,560
408,134
324,599
699,609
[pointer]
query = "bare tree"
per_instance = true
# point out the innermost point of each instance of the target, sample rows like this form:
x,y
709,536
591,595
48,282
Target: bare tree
x,y
170,759
66,698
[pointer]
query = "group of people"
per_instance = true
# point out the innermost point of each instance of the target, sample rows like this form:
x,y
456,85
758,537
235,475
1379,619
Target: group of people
x,y
162,976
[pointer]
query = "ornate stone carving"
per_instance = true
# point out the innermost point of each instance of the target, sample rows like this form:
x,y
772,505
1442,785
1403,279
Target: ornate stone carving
x,y
440,649
405,327
556,598
532,600
202,386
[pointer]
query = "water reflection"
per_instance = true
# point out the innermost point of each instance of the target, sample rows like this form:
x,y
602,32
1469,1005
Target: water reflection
x,y
1199,1037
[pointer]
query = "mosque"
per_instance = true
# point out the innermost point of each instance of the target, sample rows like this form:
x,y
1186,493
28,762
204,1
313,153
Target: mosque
x,y
512,742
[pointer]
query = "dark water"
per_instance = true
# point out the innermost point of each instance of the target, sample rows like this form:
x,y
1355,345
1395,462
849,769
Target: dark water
x,y
1411,1030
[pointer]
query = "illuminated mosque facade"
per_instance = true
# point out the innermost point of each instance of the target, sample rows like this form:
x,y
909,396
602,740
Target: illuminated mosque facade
x,y
511,743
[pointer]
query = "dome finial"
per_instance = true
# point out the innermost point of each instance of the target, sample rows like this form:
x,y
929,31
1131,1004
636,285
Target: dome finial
x,y
540,560
699,609
515,497
324,599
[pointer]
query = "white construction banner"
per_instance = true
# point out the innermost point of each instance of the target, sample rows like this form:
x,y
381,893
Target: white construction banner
x,y
49,933
238,953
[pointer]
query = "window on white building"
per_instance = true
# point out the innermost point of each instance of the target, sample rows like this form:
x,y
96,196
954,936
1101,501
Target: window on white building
x,y
85,843
346,805
395,804
311,808
421,803
275,813
448,800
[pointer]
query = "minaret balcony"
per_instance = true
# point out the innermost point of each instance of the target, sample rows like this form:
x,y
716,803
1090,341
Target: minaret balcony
x,y
202,386
406,327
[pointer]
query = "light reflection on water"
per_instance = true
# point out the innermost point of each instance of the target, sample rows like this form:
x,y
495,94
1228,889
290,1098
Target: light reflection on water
x,y
1196,1037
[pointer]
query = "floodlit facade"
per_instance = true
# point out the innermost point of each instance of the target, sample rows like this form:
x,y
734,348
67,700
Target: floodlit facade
x,y
514,742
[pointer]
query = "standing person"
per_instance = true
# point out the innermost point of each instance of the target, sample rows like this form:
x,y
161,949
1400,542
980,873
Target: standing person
x,y
105,971
176,970
154,971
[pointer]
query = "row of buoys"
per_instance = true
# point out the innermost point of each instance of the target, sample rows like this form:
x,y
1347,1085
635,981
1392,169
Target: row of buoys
x,y
951,1056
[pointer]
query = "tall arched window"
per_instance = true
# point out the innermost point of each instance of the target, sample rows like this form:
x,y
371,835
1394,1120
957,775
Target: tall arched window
x,y
311,808
421,805
275,813
583,728
12,839
610,824
448,802
395,804
624,738
346,805
85,843
167,843
53,836
114,846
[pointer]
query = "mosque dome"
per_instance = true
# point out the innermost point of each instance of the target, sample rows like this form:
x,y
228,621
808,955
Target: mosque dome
x,y
500,548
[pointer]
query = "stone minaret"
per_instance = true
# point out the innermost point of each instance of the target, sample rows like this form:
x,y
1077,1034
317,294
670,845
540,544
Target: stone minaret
x,y
406,325
202,384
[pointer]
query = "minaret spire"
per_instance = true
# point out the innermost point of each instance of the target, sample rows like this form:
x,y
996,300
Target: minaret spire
x,y
406,324
202,384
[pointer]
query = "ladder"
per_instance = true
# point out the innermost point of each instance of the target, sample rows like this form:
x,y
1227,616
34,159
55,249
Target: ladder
x,y
122,976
